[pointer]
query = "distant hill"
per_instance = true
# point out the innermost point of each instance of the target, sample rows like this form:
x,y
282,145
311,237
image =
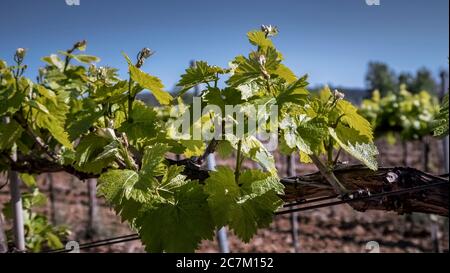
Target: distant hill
x,y
354,95
148,98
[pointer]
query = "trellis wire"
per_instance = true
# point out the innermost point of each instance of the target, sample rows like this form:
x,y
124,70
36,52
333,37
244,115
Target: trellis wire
x,y
363,198
108,241
314,200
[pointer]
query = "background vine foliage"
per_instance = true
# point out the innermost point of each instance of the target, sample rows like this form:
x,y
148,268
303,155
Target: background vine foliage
x,y
84,120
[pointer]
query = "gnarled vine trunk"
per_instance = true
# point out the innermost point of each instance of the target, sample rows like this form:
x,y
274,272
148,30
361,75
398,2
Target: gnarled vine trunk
x,y
432,200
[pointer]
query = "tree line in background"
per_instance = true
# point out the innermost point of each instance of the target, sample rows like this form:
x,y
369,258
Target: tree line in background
x,y
381,77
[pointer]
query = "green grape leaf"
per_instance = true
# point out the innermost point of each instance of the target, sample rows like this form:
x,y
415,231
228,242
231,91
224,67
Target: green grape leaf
x,y
223,193
245,205
143,123
247,70
79,123
303,133
9,133
353,119
49,94
87,151
224,148
10,100
38,106
111,93
222,97
34,198
252,148
304,157
54,60
53,241
54,118
249,89
258,38
178,226
273,59
171,215
110,151
172,179
292,137
357,145
151,83
152,161
87,59
127,58
200,73
129,190
295,92
3,65
193,147
113,185
311,134
55,127
250,69
441,119
138,186
28,180
285,73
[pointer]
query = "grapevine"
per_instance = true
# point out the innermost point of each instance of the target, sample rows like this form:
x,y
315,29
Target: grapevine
x,y
85,120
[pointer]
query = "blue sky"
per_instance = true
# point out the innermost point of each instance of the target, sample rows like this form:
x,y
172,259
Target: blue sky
x,y
331,40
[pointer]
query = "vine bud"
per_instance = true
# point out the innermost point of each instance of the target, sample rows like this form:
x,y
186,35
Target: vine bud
x,y
107,132
142,55
81,45
20,52
125,140
338,95
102,72
262,60
146,52
269,30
